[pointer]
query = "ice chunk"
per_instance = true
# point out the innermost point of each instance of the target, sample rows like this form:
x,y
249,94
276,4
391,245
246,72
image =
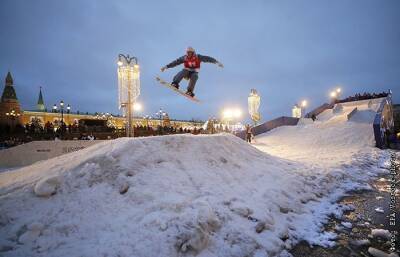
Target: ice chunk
x,y
47,186
378,253
381,233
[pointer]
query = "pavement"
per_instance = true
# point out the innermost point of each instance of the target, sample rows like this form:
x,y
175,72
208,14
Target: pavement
x,y
365,216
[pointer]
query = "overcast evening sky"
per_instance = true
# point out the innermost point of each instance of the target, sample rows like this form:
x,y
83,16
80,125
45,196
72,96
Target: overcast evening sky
x,y
287,50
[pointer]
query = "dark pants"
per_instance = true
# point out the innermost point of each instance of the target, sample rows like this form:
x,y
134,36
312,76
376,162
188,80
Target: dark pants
x,y
248,137
191,75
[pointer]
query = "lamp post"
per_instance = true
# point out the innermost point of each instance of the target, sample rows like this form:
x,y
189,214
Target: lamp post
x,y
12,115
231,115
128,88
55,107
335,94
62,116
146,118
338,93
160,114
253,106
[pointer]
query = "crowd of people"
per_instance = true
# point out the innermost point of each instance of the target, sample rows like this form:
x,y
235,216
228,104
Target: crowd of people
x,y
11,136
364,96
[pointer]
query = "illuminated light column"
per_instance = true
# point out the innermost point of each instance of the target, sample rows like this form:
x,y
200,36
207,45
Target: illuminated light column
x,y
296,111
303,108
128,88
254,104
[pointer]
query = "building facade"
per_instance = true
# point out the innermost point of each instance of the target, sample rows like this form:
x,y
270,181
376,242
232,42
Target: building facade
x,y
10,108
12,114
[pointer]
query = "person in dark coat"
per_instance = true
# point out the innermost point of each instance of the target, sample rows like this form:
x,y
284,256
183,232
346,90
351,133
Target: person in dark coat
x,y
248,133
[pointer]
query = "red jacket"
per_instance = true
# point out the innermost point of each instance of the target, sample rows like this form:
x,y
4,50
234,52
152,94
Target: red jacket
x,y
192,62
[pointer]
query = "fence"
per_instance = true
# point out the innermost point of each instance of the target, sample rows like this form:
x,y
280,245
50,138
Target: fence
x,y
319,110
267,126
32,152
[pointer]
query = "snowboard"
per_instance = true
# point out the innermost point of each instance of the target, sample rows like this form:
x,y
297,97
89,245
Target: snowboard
x,y
165,83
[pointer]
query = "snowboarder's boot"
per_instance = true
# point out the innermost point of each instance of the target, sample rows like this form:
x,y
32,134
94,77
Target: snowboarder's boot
x,y
175,85
190,93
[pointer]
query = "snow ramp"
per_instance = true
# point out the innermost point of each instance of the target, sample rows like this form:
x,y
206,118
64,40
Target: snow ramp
x,y
177,195
335,138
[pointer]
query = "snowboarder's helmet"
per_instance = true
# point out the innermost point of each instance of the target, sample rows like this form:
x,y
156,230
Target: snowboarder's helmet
x,y
190,49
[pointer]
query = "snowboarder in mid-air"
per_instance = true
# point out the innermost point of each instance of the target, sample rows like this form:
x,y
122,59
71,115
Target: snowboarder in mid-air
x,y
191,62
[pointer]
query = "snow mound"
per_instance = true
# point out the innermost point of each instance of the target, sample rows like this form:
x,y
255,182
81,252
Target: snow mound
x,y
164,196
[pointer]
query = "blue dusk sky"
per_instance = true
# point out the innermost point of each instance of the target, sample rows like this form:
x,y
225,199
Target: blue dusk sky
x,y
287,50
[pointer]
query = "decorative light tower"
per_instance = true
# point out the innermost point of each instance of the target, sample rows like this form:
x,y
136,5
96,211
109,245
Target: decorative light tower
x,y
296,111
303,108
254,105
128,88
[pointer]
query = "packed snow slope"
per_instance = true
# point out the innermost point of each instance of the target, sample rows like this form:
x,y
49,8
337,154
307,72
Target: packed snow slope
x,y
332,140
185,195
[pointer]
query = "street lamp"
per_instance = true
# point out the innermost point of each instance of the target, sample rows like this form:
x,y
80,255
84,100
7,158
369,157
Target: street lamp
x,y
146,118
55,107
137,107
253,106
237,113
231,114
128,87
161,114
338,92
12,115
62,115
335,94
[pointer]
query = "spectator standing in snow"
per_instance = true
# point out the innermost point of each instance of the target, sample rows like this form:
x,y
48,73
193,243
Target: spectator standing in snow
x,y
313,117
248,133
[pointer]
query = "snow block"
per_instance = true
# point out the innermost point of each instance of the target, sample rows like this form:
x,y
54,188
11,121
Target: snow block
x,y
195,234
123,188
381,233
47,186
33,232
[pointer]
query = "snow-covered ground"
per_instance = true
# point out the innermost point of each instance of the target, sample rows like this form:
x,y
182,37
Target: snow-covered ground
x,y
188,195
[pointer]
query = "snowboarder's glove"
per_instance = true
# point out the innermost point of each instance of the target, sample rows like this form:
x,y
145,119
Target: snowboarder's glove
x,y
220,65
163,68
